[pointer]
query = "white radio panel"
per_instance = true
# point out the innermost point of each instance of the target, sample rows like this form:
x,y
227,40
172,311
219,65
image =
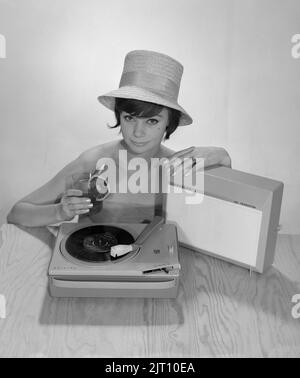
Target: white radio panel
x,y
237,219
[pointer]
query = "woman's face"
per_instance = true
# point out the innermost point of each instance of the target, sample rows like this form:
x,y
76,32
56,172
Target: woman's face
x,y
144,135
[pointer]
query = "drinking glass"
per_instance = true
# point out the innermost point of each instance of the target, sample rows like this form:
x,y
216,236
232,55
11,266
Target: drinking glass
x,y
93,186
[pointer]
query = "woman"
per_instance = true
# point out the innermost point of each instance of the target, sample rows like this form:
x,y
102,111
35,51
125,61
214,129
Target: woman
x,y
147,112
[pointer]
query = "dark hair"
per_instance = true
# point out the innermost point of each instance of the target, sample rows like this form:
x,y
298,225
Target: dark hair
x,y
145,109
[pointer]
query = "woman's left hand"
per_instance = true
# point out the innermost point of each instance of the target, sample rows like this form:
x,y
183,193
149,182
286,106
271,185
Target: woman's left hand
x,y
210,155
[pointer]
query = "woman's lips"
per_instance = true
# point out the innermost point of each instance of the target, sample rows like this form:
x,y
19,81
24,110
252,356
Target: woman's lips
x,y
139,144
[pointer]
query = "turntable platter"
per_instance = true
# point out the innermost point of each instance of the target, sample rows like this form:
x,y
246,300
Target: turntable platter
x,y
93,243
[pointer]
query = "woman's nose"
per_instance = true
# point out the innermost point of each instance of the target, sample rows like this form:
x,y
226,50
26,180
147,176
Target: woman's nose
x,y
139,128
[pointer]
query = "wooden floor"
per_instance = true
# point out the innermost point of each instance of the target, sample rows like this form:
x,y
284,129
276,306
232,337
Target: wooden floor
x,y
220,310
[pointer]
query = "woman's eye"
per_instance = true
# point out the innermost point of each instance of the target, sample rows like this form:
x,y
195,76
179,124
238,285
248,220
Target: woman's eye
x,y
128,118
152,121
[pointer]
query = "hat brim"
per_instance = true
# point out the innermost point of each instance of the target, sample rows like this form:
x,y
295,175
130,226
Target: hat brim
x,y
137,93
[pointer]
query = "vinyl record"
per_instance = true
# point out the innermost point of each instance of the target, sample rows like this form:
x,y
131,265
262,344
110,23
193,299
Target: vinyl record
x,y
93,243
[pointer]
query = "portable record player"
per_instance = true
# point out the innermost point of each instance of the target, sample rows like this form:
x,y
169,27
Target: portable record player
x,y
82,264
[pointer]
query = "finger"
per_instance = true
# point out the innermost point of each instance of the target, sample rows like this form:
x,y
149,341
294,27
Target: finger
x,y
79,206
186,165
187,155
73,192
174,166
78,212
206,162
195,163
182,153
164,161
72,200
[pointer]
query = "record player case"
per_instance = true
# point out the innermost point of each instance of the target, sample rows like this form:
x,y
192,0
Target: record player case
x,y
151,272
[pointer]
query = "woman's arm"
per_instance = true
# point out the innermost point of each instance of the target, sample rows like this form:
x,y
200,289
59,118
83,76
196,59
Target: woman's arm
x,y
211,156
52,202
31,215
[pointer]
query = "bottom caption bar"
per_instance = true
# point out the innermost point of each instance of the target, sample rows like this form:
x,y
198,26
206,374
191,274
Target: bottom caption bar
x,y
144,366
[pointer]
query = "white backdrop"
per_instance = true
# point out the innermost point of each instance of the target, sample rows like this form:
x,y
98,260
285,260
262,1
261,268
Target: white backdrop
x,y
241,83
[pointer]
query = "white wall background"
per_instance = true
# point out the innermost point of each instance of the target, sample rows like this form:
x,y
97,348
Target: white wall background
x,y
240,84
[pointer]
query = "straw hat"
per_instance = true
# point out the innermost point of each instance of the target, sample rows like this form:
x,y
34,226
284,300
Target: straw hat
x,y
149,76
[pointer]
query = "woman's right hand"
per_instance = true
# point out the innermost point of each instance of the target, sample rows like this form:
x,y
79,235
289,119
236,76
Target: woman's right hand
x,y
72,203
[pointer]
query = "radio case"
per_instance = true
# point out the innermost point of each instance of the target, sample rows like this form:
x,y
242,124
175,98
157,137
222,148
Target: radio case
x,y
235,220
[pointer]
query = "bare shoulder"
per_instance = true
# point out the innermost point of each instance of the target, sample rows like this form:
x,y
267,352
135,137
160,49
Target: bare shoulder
x,y
90,157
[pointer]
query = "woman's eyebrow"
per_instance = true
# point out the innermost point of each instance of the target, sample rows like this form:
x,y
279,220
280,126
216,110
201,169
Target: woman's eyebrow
x,y
157,115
